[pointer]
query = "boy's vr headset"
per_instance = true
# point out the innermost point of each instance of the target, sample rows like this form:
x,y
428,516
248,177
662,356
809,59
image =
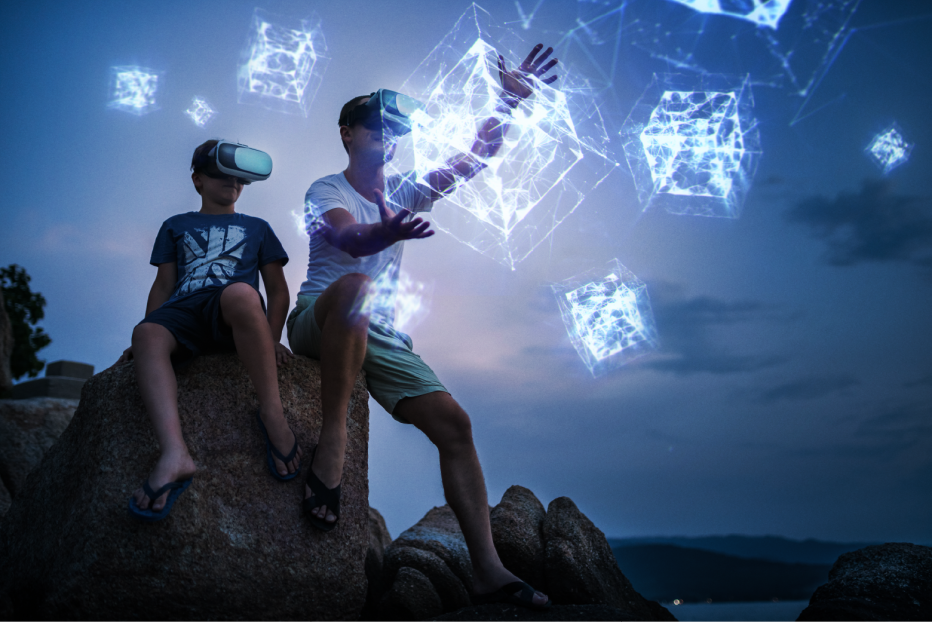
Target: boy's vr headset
x,y
386,110
235,160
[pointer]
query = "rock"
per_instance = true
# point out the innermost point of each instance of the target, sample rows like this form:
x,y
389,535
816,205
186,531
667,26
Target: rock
x,y
379,538
439,533
555,612
517,530
411,597
448,586
6,348
881,582
581,569
236,544
5,500
27,429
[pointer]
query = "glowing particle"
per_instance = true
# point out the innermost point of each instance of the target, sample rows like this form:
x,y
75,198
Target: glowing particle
x,y
608,317
200,112
283,66
544,168
695,153
761,12
395,299
889,149
133,89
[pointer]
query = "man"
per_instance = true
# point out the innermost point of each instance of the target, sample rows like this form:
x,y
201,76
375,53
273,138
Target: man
x,y
361,241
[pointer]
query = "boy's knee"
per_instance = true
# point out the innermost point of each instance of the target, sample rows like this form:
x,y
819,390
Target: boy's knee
x,y
149,334
239,298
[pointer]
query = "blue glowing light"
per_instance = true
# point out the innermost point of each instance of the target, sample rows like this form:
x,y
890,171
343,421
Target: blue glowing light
x,y
889,149
542,172
695,153
200,112
761,12
395,299
608,317
284,66
133,89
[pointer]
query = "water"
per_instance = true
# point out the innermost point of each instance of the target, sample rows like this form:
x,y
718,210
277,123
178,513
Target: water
x,y
763,610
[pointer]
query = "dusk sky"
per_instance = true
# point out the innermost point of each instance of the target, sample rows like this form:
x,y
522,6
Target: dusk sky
x,y
792,391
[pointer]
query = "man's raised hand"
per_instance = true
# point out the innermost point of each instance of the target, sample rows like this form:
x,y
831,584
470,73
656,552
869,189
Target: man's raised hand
x,y
394,226
516,82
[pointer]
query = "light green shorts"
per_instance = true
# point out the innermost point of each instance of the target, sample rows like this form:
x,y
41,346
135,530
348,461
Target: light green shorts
x,y
393,370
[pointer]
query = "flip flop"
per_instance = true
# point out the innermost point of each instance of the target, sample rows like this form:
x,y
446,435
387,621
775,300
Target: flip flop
x,y
321,496
150,516
506,594
270,449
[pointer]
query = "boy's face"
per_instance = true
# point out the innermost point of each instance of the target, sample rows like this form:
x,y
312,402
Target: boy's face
x,y
224,191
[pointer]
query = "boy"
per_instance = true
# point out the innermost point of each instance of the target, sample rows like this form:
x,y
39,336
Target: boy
x,y
205,298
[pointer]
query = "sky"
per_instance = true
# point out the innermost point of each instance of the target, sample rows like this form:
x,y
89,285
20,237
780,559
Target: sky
x,y
791,392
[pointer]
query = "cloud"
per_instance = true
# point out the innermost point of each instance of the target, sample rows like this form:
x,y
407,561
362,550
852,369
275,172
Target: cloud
x,y
810,388
925,381
875,225
692,340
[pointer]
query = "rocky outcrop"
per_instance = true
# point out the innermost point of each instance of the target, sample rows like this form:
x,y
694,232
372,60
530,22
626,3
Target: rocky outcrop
x,y
379,538
235,545
427,572
6,348
27,429
882,582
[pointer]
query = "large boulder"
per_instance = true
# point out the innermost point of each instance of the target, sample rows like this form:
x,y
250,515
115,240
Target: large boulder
x,y
27,429
881,582
236,544
6,348
517,530
379,538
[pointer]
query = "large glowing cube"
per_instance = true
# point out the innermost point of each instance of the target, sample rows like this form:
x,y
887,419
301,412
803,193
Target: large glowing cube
x,y
695,153
608,317
133,89
542,172
200,112
889,149
283,66
761,12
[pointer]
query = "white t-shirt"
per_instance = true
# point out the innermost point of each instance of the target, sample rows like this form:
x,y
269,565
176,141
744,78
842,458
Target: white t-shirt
x,y
326,263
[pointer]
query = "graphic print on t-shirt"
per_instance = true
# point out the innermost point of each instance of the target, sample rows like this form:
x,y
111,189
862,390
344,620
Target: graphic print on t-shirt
x,y
216,264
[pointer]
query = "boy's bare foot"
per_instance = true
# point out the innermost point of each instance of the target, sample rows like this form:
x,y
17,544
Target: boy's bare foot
x,y
495,579
171,467
328,467
283,439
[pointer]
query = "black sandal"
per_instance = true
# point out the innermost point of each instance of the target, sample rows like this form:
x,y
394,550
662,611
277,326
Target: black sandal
x,y
321,495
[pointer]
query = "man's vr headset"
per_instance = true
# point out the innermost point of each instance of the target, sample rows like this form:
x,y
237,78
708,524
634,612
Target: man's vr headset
x,y
235,160
386,110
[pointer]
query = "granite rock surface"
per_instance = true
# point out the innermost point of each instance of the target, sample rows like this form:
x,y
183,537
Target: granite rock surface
x,y
6,348
881,582
517,530
236,544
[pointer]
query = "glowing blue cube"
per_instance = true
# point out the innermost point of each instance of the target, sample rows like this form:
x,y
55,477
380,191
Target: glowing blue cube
x,y
200,112
133,89
761,12
608,317
889,149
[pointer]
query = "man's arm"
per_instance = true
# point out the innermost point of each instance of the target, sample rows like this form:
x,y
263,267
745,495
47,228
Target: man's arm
x,y
516,87
161,290
276,288
361,240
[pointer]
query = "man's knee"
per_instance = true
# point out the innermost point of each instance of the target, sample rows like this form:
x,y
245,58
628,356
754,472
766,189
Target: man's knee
x,y
344,300
440,417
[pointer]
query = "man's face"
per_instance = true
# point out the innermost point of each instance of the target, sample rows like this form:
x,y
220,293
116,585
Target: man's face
x,y
375,142
223,191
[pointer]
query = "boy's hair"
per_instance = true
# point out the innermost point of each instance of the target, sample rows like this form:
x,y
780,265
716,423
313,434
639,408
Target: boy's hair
x,y
344,113
199,159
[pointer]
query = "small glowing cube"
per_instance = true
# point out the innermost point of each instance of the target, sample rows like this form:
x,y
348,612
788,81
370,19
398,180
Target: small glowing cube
x,y
200,112
889,149
133,89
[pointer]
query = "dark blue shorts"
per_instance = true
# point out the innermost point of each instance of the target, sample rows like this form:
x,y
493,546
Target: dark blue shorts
x,y
197,323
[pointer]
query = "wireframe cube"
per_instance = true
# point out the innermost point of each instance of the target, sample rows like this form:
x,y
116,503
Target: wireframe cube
x,y
889,149
133,89
200,112
761,12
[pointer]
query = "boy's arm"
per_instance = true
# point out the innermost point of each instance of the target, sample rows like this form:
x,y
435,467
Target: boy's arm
x,y
276,288
161,290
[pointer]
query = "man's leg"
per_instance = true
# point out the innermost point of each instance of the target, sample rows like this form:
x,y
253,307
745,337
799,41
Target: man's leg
x,y
242,311
343,347
448,427
153,345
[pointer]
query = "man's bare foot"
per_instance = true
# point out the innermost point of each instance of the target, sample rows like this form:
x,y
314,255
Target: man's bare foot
x,y
495,579
328,467
171,467
283,439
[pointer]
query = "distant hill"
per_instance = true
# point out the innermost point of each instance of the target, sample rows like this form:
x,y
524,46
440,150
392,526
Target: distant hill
x,y
666,572
772,548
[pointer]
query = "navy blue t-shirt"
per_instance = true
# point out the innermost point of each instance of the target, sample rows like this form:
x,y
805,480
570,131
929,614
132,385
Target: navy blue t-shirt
x,y
215,249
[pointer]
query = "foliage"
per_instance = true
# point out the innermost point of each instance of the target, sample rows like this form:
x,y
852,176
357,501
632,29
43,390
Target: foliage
x,y
25,309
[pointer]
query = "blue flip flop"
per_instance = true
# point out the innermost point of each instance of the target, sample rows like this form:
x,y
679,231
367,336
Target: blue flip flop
x,y
150,516
270,449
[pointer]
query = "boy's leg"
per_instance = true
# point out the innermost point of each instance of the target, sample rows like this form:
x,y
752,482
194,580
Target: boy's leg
x,y
342,350
153,345
242,311
448,427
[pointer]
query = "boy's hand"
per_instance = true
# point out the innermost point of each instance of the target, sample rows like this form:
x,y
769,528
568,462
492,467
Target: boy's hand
x,y
126,356
283,355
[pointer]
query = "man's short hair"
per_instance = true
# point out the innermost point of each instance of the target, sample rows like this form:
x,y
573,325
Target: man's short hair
x,y
199,159
345,110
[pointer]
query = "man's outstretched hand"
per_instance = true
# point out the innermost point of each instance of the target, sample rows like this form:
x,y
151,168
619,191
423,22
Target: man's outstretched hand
x,y
517,83
394,227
